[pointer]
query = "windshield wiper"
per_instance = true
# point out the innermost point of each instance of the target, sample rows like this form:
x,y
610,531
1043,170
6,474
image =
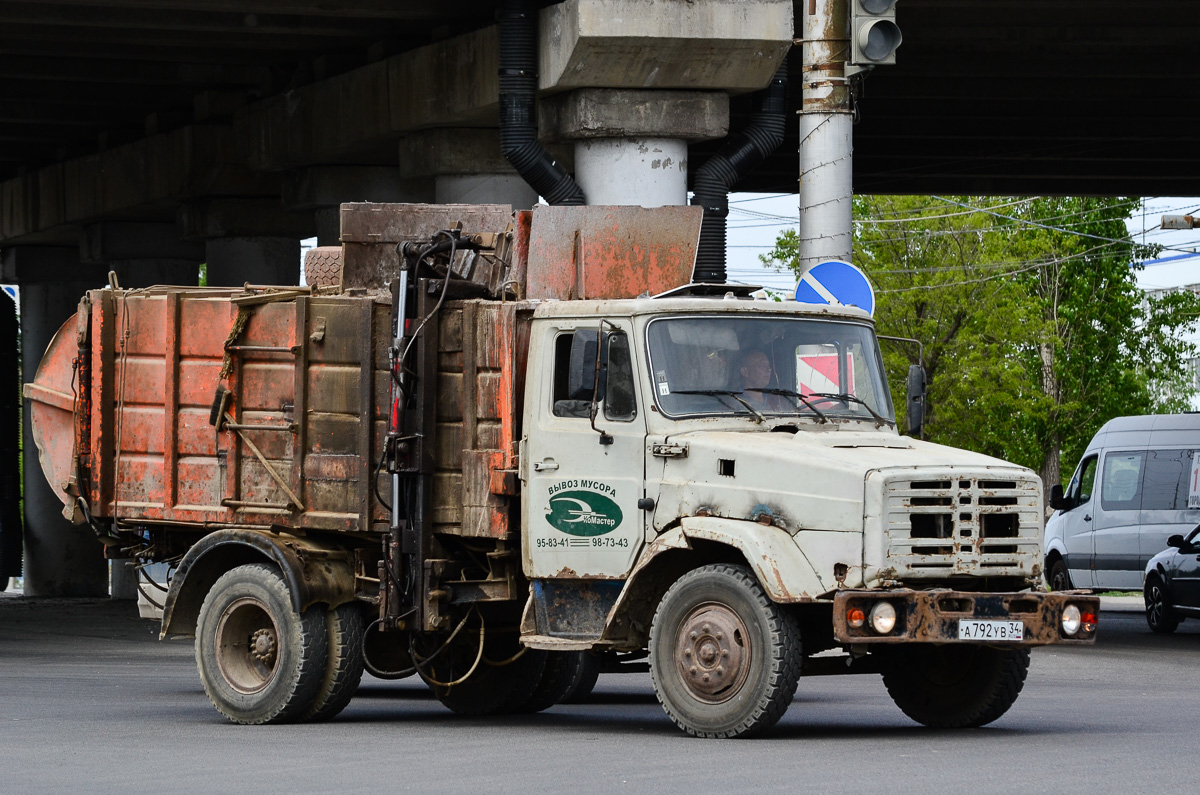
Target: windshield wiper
x,y
758,417
803,399
879,421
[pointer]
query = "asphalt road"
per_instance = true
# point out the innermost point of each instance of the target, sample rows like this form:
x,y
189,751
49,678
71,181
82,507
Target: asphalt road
x,y
90,701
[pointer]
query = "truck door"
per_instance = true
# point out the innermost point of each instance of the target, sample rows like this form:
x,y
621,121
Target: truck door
x,y
580,515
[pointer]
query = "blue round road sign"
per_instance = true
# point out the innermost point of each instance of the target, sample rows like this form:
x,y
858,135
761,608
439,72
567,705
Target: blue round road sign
x,y
835,282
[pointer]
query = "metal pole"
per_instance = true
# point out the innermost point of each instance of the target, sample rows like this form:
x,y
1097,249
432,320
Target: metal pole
x,y
826,142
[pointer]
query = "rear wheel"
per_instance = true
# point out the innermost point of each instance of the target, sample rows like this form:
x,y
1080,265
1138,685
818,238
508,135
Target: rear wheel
x,y
585,670
259,661
344,626
724,658
1059,578
1159,614
496,679
956,686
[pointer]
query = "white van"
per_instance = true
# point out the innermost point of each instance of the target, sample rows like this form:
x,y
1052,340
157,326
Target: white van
x,y
1130,492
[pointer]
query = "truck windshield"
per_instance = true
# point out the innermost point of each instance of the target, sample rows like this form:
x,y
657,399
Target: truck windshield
x,y
767,366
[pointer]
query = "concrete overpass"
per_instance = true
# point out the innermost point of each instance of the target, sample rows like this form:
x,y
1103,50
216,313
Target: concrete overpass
x,y
146,136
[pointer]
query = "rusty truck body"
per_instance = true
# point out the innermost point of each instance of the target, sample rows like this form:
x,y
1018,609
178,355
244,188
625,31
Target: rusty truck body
x,y
503,453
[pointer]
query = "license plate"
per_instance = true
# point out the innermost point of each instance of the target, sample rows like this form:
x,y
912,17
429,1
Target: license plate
x,y
976,629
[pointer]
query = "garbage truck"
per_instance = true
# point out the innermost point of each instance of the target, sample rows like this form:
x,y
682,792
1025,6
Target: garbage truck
x,y
498,451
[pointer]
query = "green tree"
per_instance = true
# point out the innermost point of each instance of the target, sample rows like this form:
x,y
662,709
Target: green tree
x,y
1034,330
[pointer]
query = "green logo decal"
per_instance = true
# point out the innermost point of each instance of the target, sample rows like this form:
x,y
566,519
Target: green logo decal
x,y
583,513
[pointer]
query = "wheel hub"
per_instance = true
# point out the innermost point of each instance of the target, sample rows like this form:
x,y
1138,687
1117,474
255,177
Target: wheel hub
x,y
247,645
711,652
262,646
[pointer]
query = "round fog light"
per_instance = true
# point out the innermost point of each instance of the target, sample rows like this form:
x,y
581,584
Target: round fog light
x,y
855,617
883,617
1070,619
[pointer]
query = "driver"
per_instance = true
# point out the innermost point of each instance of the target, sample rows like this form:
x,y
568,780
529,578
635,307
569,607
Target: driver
x,y
756,373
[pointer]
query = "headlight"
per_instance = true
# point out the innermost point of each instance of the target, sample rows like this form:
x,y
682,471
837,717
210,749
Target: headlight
x,y
1070,620
883,617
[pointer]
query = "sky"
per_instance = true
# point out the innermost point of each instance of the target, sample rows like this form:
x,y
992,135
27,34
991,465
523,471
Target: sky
x,y
755,220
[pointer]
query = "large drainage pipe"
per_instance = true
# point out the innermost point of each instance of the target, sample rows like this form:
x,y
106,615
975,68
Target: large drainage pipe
x,y
518,107
741,152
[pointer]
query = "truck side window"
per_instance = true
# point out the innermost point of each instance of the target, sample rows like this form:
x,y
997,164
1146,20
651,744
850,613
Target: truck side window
x,y
1082,485
570,399
1121,481
619,402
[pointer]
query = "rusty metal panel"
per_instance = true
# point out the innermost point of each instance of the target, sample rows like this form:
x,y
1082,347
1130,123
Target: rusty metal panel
x,y
481,360
370,232
932,616
610,252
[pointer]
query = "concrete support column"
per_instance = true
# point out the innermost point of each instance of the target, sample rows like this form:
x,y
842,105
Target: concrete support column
x,y
630,145
234,261
61,559
466,167
141,254
651,172
254,241
321,190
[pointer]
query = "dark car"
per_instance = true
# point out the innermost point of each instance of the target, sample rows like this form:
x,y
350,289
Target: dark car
x,y
1172,587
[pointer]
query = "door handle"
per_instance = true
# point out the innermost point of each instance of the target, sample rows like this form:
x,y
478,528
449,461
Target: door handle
x,y
1087,517
547,465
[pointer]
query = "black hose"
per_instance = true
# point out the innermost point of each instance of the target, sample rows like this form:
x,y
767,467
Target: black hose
x,y
741,152
518,108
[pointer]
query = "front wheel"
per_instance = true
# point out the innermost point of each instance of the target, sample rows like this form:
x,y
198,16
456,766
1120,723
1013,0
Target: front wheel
x,y
259,661
724,658
1159,615
957,686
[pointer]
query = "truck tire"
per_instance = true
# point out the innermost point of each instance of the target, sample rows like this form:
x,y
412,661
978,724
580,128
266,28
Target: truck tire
x,y
344,667
1059,578
1159,615
491,689
724,658
558,675
585,672
957,686
259,661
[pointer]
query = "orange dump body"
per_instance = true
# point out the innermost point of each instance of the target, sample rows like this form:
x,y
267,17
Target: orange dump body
x,y
124,402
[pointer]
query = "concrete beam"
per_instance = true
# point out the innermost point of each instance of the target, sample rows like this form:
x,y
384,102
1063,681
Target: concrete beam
x,y
145,177
27,265
618,113
728,45
330,186
124,240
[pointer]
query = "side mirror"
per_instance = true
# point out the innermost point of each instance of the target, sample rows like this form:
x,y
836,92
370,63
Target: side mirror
x,y
1057,501
1175,541
916,400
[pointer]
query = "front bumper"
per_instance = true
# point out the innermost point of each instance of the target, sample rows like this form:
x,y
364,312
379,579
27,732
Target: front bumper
x,y
933,616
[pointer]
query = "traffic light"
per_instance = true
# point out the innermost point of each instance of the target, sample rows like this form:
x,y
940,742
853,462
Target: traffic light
x,y
874,35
